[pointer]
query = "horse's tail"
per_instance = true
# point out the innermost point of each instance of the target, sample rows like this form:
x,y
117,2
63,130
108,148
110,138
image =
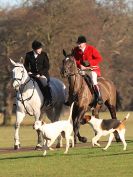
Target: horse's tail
x,y
71,109
118,101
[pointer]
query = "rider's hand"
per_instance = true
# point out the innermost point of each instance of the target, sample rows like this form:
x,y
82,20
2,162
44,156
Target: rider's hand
x,y
38,75
44,77
83,67
29,73
86,68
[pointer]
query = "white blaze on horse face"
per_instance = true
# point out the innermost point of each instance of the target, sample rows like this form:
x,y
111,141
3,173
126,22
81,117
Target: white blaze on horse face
x,y
17,76
15,82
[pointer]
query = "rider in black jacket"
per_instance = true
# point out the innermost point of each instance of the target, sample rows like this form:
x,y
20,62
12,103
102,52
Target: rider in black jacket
x,y
37,64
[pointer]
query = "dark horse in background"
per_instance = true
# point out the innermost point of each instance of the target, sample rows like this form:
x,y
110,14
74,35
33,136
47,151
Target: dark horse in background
x,y
83,97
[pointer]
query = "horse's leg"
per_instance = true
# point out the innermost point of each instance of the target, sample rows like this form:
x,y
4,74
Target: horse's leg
x,y
54,114
77,126
39,116
112,111
74,119
39,140
19,118
77,134
95,112
76,130
56,118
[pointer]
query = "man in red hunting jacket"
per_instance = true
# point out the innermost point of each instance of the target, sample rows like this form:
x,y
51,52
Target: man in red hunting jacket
x,y
88,58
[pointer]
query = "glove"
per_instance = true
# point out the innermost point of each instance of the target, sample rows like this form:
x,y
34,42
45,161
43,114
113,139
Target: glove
x,y
81,72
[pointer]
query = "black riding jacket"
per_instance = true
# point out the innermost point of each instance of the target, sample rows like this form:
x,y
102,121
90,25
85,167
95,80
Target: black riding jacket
x,y
39,65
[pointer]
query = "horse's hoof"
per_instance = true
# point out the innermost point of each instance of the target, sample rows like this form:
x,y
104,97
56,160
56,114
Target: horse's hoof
x,y
83,139
58,146
38,148
70,145
118,139
16,147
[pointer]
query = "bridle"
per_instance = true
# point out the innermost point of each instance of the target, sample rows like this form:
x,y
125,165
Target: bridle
x,y
22,89
69,75
19,79
73,64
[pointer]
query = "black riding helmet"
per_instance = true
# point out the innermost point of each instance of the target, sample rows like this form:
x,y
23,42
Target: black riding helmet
x,y
81,39
36,45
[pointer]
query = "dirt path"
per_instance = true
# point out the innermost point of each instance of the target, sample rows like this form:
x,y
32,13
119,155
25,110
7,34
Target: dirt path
x,y
26,149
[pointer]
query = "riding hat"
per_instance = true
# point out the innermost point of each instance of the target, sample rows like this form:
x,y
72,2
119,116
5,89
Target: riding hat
x,y
81,39
36,45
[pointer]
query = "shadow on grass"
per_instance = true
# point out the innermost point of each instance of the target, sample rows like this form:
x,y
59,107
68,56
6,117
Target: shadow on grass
x,y
20,157
83,155
87,152
111,154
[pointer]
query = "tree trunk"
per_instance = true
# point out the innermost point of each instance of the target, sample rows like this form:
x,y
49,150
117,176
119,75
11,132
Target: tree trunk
x,y
8,103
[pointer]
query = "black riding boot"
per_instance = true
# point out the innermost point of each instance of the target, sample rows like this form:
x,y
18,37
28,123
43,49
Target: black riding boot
x,y
48,96
99,99
88,81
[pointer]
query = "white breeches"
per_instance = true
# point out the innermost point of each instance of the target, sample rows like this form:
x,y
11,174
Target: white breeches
x,y
93,76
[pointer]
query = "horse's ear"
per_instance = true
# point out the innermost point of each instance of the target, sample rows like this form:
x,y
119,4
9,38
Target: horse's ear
x,y
64,53
12,62
21,60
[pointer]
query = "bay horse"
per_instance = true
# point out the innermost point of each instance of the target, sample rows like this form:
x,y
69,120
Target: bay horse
x,y
80,93
30,100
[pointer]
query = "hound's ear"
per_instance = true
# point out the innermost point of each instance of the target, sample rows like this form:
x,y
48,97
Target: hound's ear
x,y
87,117
43,122
21,60
64,53
12,62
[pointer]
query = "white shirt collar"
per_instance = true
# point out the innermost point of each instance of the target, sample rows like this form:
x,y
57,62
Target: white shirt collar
x,y
35,54
83,49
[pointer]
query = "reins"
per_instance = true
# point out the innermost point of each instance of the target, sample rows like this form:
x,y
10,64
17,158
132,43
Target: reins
x,y
27,99
21,89
80,90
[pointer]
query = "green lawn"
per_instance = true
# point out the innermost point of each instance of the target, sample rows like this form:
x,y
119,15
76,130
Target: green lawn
x,y
79,162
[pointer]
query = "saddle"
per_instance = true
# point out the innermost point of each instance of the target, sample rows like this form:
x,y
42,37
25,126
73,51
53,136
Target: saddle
x,y
46,91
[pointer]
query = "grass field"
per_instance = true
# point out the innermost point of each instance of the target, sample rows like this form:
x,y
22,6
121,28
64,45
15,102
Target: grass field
x,y
82,161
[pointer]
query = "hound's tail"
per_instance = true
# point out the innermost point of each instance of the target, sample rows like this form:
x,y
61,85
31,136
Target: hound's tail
x,y
126,117
71,109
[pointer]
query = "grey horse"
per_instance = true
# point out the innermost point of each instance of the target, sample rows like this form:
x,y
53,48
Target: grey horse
x,y
29,99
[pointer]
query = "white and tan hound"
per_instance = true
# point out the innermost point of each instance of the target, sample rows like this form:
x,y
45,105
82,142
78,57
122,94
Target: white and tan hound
x,y
104,127
52,130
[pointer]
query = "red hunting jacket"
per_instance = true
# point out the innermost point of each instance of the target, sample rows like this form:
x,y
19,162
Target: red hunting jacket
x,y
90,54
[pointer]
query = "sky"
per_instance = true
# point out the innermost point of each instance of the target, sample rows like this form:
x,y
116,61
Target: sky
x,y
11,3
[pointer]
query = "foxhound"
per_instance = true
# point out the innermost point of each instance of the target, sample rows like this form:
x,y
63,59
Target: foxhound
x,y
52,130
104,127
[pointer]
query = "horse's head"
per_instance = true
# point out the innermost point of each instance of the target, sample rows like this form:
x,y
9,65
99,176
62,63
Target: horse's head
x,y
19,74
69,67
